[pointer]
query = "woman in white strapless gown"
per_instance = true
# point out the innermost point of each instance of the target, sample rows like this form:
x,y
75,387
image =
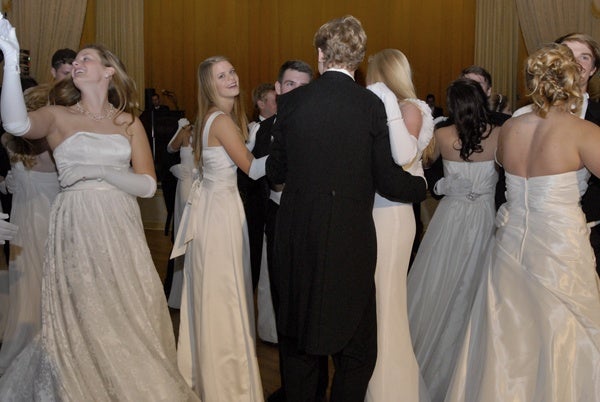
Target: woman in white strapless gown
x,y
534,331
446,271
106,333
396,375
217,350
34,188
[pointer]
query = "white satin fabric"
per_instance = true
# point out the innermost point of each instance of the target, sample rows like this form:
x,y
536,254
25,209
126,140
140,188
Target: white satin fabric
x,y
396,374
446,273
106,331
184,185
266,327
534,331
33,193
217,350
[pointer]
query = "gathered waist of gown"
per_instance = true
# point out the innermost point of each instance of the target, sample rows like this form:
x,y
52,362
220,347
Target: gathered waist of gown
x,y
472,196
215,182
91,185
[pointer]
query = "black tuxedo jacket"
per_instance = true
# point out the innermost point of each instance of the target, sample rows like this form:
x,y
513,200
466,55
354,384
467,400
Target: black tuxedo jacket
x,y
331,149
255,196
590,202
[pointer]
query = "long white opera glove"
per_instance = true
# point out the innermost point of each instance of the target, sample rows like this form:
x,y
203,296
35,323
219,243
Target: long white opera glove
x,y
252,130
258,168
12,104
181,123
7,229
453,184
140,185
403,144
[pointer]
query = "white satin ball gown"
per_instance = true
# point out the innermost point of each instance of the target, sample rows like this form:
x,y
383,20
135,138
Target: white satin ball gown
x,y
446,272
534,331
34,190
106,332
217,347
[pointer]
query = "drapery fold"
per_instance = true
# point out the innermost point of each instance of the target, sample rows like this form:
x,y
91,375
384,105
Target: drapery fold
x,y
45,26
499,24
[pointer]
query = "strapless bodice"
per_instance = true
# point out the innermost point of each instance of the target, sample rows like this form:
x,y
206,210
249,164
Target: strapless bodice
x,y
483,175
83,148
545,193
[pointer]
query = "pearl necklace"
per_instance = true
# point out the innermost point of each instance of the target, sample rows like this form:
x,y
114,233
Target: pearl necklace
x,y
107,113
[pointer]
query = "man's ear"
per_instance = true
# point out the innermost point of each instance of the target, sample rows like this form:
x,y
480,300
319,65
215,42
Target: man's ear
x,y
53,72
321,58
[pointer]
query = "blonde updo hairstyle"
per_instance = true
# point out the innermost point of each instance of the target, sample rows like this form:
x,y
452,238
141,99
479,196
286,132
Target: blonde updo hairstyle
x,y
552,77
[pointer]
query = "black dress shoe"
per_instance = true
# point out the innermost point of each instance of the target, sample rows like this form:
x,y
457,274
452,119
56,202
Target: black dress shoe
x,y
277,396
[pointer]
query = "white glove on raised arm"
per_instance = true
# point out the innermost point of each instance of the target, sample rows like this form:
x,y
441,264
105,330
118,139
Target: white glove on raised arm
x,y
181,123
453,184
140,185
403,144
12,104
258,168
7,229
252,130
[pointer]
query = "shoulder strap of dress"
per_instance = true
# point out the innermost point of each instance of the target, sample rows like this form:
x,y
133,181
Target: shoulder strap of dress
x,y
206,129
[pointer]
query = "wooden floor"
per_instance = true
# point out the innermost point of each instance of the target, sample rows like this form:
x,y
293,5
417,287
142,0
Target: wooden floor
x,y
268,360
153,215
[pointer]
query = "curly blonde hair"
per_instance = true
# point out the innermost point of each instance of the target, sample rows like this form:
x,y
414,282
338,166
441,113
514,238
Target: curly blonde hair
x,y
343,42
552,77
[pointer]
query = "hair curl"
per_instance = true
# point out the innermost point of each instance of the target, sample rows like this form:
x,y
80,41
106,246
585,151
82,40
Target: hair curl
x,y
469,112
552,77
343,42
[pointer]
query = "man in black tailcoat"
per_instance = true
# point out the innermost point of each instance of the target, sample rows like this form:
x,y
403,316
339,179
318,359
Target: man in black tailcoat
x,y
331,149
587,53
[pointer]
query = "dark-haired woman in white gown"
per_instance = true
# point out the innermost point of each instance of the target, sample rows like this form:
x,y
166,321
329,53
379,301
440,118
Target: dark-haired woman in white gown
x,y
534,331
447,269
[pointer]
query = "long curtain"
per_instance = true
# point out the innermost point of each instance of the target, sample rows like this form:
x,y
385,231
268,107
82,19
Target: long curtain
x,y
497,44
543,21
45,26
120,27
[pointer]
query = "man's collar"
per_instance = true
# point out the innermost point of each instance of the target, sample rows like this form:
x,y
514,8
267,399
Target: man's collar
x,y
341,70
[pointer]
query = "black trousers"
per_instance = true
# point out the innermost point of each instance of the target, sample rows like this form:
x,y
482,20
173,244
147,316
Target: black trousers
x,y
354,365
